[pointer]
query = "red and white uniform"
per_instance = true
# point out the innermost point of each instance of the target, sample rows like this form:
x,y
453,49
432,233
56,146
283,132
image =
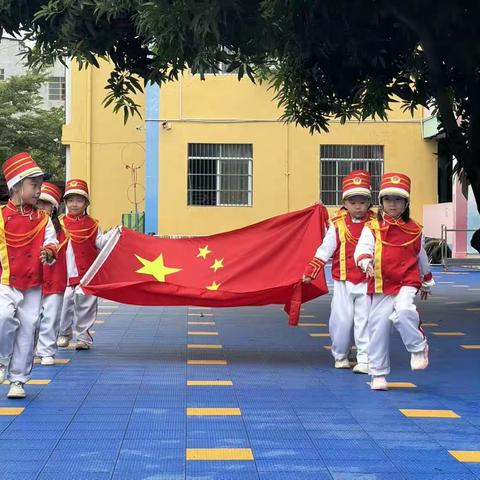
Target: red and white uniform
x,y
350,304
24,231
79,311
54,285
395,250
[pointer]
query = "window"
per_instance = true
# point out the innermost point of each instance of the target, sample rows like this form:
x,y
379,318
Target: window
x,y
220,174
56,88
336,161
2,74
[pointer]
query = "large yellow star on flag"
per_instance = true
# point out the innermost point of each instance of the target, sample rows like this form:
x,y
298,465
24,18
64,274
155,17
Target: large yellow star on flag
x,y
218,264
214,286
156,268
203,252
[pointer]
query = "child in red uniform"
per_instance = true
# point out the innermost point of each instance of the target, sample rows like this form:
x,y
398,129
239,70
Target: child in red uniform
x,y
27,239
54,280
85,240
390,251
349,310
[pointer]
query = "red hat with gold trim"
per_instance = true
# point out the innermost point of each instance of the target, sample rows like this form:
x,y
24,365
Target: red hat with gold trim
x,y
21,166
356,183
397,184
51,193
75,186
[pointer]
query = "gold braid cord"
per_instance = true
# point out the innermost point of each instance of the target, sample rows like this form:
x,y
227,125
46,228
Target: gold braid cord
x,y
17,240
415,232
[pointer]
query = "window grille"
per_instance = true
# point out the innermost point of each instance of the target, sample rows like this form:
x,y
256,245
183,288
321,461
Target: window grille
x,y
220,174
336,161
56,88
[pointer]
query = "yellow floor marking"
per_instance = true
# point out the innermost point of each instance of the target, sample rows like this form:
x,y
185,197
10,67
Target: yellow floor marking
x,y
474,289
201,323
58,361
199,308
206,362
312,325
203,345
203,333
460,286
200,314
448,334
219,454
476,309
213,412
455,273
319,334
32,382
9,411
429,413
211,383
446,282
429,325
99,322
471,347
466,456
399,385
307,316
111,307
103,313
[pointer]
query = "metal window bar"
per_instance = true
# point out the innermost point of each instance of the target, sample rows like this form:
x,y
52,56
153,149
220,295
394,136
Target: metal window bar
x,y
336,161
56,88
220,174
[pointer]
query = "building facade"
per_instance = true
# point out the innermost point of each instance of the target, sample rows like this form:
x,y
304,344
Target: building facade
x,y
212,155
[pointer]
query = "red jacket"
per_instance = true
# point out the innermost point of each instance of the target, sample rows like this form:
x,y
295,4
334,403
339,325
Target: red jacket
x,y
22,236
347,234
55,276
83,232
397,245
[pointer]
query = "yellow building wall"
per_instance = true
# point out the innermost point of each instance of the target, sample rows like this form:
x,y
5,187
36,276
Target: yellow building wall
x,y
100,146
286,158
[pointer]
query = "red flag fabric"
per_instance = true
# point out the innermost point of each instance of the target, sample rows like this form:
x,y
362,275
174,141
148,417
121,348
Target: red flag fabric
x,y
259,264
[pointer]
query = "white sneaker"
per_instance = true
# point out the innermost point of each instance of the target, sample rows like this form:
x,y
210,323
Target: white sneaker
x,y
419,360
379,383
63,341
82,345
3,373
16,390
47,361
360,368
342,363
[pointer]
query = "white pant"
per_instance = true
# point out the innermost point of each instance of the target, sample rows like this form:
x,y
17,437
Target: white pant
x,y
348,320
79,312
49,325
19,311
400,312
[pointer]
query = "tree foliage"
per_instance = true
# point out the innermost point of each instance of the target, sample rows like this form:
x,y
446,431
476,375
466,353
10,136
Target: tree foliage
x,y
342,59
26,126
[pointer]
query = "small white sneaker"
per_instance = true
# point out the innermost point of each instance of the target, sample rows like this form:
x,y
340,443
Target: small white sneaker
x,y
82,345
379,383
3,373
360,368
63,341
47,361
342,363
419,360
16,390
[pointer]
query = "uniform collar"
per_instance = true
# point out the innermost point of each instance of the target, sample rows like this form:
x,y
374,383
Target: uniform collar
x,y
20,209
75,217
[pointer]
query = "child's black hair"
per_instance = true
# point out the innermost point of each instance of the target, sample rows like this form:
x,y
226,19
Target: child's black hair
x,y
55,220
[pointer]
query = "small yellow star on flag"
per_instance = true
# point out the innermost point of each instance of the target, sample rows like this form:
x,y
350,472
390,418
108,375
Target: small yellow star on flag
x,y
156,268
203,252
218,264
213,286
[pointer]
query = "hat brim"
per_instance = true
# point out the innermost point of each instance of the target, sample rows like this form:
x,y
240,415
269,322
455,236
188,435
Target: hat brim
x,y
394,192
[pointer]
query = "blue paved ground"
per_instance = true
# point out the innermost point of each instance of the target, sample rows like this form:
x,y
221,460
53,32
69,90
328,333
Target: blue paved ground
x,y
119,410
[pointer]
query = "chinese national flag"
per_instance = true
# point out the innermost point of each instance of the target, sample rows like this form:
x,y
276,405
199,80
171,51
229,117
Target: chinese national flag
x,y
259,264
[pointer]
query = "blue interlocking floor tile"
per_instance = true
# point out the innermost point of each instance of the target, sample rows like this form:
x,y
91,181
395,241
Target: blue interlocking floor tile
x,y
71,474
361,466
218,467
222,476
152,465
295,476
147,476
